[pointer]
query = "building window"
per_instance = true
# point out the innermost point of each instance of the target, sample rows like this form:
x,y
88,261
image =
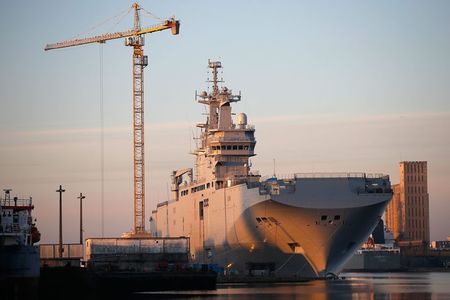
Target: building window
x,y
241,147
337,217
200,210
228,147
323,218
235,147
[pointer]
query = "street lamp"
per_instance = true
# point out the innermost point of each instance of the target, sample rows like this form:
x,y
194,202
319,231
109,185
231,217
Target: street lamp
x,y
60,191
81,197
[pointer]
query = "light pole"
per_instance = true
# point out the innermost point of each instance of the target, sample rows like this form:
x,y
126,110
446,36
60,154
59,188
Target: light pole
x,y
60,191
81,197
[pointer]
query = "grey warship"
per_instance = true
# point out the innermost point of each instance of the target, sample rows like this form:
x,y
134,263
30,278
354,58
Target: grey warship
x,y
307,225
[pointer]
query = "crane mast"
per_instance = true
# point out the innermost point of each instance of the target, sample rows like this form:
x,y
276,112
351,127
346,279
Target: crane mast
x,y
140,61
133,38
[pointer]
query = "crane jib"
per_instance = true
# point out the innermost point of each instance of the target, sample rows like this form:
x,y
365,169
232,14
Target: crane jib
x,y
172,24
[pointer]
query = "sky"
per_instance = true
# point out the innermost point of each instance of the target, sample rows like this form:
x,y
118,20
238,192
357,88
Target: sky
x,y
329,85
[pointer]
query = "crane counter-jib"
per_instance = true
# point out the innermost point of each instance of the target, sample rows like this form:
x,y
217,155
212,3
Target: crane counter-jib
x,y
172,24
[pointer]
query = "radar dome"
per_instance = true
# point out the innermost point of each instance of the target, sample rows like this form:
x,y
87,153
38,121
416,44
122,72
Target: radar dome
x,y
242,119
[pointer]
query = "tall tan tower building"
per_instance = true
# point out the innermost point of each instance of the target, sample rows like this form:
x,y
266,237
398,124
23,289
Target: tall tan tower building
x,y
394,215
407,215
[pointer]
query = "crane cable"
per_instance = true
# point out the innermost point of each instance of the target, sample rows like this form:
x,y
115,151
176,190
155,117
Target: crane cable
x,y
151,15
120,15
120,19
102,143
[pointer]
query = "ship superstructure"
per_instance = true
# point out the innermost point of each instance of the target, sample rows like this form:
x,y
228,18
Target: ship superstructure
x,y
306,225
19,258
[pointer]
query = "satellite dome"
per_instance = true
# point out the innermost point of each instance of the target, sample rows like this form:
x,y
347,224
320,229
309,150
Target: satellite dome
x,y
241,119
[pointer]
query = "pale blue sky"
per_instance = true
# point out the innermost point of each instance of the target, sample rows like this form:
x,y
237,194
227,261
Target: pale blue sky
x,y
330,86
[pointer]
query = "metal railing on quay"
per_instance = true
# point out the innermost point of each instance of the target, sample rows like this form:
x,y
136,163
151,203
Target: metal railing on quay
x,y
51,251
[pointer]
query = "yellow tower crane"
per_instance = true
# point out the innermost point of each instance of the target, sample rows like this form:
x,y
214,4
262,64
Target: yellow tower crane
x,y
133,38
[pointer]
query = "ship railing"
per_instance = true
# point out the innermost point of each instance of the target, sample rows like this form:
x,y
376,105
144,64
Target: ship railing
x,y
328,175
16,202
230,139
374,189
13,229
380,251
244,127
340,175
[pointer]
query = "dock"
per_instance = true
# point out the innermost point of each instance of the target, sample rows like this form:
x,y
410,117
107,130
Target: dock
x,y
125,266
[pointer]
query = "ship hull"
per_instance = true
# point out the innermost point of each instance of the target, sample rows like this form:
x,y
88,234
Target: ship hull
x,y
19,272
308,228
296,241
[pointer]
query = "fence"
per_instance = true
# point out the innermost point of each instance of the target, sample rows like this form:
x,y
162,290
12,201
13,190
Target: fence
x,y
51,251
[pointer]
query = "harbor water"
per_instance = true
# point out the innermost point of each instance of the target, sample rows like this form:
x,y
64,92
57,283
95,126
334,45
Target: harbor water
x,y
392,286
